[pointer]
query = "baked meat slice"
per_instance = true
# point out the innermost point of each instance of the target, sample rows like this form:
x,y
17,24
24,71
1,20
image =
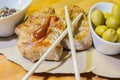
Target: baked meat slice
x,y
81,30
38,33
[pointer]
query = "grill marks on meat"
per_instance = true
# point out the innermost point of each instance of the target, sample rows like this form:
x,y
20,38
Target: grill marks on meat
x,y
38,33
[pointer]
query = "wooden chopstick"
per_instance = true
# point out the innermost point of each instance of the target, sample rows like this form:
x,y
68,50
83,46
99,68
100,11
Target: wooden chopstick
x,y
50,49
69,27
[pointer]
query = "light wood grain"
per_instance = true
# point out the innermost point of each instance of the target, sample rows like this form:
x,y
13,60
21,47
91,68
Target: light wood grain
x,y
12,71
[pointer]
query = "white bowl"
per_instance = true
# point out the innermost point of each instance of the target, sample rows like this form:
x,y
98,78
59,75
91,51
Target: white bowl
x,y
8,23
101,45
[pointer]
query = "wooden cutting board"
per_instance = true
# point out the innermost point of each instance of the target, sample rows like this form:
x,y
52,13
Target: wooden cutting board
x,y
12,71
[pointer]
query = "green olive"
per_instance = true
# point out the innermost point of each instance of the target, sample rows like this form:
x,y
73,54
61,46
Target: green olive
x,y
107,14
97,17
100,30
116,10
118,33
110,35
113,22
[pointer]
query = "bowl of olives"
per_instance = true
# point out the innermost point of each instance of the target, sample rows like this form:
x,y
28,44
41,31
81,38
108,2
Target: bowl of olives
x,y
104,22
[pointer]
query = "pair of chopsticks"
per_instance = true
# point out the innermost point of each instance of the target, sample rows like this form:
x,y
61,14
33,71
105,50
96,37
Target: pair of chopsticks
x,y
69,27
69,30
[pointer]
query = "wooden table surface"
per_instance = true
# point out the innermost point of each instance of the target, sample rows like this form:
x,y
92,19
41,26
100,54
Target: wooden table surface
x,y
12,71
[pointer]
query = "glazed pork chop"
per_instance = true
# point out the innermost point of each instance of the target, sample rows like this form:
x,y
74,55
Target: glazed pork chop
x,y
42,28
38,33
81,30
